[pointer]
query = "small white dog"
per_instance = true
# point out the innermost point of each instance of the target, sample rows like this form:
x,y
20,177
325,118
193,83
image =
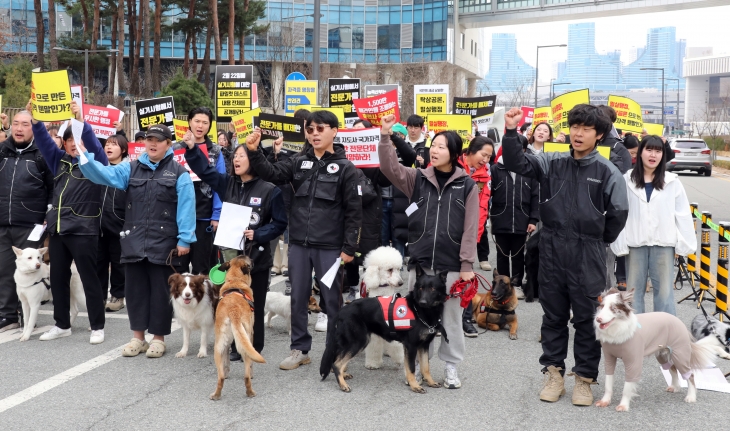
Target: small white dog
x,y
381,278
32,283
278,304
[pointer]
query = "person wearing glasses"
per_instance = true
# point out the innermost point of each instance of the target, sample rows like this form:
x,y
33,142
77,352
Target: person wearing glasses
x,y
325,222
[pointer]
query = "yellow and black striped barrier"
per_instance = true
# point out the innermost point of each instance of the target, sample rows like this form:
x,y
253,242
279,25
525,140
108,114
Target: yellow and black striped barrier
x,y
692,258
722,267
705,246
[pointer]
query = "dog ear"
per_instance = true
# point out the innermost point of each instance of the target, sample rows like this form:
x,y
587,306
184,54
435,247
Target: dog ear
x,y
18,251
627,296
225,266
495,274
371,278
443,275
611,291
173,279
419,270
43,250
514,281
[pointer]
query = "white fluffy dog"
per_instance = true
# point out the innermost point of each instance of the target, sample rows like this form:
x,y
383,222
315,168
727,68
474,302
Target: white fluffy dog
x,y
382,276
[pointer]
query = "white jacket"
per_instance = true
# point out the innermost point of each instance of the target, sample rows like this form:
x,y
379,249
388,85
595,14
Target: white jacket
x,y
664,221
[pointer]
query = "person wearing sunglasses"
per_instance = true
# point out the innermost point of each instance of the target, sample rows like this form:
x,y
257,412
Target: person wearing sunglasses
x,y
325,222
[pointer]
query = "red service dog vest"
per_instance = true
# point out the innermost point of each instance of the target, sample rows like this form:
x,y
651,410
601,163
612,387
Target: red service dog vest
x,y
396,310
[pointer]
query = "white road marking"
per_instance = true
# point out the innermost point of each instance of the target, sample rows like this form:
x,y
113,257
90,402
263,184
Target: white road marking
x,y
16,333
68,375
85,314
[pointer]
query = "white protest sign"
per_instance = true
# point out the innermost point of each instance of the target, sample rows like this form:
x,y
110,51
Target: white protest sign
x,y
233,222
361,146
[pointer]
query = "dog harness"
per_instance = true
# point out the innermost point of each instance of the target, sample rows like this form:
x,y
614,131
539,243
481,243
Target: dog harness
x,y
240,292
396,313
45,281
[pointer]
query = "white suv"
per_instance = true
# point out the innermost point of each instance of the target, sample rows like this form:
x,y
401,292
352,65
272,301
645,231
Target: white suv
x,y
690,155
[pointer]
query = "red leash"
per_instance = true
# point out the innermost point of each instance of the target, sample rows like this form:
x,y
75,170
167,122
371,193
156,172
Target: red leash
x,y
467,289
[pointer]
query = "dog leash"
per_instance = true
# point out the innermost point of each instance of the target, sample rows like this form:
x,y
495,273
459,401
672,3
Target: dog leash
x,y
168,261
724,343
516,253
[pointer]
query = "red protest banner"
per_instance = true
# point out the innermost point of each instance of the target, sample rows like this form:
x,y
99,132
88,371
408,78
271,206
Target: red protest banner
x,y
374,108
527,112
102,119
136,150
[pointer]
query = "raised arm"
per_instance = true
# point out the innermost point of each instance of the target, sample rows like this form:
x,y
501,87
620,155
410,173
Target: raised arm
x,y
400,176
116,176
209,174
280,172
185,210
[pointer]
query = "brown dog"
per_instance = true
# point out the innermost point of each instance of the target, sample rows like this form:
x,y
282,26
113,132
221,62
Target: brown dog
x,y
234,321
496,309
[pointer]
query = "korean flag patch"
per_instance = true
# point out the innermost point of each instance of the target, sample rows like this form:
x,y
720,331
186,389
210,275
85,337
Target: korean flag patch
x,y
255,201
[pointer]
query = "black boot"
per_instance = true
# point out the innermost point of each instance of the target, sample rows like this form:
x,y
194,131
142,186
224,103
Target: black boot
x,y
469,329
235,356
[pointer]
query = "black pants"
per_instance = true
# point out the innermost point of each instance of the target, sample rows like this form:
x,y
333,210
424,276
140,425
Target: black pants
x,y
352,275
81,250
620,269
148,297
511,244
483,246
201,250
110,253
11,236
260,286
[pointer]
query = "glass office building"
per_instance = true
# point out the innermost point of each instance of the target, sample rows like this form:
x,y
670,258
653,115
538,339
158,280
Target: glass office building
x,y
507,70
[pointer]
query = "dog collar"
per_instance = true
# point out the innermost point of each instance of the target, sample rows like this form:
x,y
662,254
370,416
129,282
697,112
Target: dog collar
x,y
431,329
239,292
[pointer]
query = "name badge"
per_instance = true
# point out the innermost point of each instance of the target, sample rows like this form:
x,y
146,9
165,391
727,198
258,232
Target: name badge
x,y
411,209
307,164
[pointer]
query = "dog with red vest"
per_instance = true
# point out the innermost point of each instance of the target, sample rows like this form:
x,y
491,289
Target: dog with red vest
x,y
413,321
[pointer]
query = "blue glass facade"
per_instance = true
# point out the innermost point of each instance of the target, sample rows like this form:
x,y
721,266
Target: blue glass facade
x,y
586,68
507,70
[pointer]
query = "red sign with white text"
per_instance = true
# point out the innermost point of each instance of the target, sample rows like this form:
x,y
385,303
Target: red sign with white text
x,y
136,150
527,112
102,119
374,108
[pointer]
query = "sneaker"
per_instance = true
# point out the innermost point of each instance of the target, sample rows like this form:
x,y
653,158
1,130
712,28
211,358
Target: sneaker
x,y
97,337
469,329
275,271
419,376
287,287
54,333
451,378
554,386
7,324
485,266
520,294
285,271
351,296
321,325
115,304
582,393
294,360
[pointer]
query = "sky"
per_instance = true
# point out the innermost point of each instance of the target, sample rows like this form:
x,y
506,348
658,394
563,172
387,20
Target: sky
x,y
700,27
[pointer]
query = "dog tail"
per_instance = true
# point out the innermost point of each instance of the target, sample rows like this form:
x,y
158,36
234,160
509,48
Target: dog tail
x,y
328,359
701,356
243,343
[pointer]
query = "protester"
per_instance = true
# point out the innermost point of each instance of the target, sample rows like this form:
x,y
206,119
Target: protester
x,y
159,225
324,223
619,155
268,221
444,178
542,133
632,145
139,137
659,226
25,192
418,140
584,207
73,225
226,149
113,203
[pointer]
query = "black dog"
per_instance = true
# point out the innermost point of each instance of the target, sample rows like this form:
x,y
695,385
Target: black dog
x,y
365,316
532,265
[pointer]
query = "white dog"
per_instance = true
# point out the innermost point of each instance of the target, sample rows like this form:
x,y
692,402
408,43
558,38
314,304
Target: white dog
x,y
713,334
381,278
278,304
32,281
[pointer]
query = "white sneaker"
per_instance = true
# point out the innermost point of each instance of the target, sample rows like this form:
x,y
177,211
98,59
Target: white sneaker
x,y
520,294
321,325
485,266
451,378
54,333
97,337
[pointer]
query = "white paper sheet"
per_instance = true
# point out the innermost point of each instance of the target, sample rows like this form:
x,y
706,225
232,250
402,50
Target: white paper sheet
x,y
411,209
37,232
329,277
77,127
62,129
234,220
709,379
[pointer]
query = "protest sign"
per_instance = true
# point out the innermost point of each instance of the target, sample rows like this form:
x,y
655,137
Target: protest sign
x,y
542,115
430,99
102,119
232,91
243,123
50,95
342,91
77,95
361,146
181,127
628,113
461,124
377,90
474,106
562,104
373,109
299,93
653,129
213,132
137,149
160,110
527,112
276,126
558,147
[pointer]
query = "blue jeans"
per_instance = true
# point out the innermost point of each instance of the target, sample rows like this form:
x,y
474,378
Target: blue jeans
x,y
658,263
386,228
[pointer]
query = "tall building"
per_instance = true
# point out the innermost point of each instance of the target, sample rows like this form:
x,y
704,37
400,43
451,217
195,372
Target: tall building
x,y
662,50
507,70
584,66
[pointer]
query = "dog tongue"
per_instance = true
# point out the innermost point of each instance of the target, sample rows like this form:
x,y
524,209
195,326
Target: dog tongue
x,y
187,301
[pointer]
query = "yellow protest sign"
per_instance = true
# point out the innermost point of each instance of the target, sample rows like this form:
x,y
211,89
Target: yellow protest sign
x,y
558,147
181,127
244,123
628,113
299,93
213,132
50,95
562,104
429,104
459,123
653,129
542,115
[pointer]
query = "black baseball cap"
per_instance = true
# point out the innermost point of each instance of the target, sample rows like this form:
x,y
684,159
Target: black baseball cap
x,y
159,131
139,135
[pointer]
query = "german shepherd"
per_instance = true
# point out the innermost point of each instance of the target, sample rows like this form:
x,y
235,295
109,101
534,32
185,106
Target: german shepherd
x,y
356,322
234,321
496,309
532,265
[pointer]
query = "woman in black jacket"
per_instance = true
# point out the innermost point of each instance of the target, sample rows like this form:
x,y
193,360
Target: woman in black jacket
x,y
268,221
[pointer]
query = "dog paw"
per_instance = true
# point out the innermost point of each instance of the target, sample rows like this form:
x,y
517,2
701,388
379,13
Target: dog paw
x,y
602,403
512,336
181,354
372,367
434,384
672,389
202,354
345,388
725,356
24,338
215,397
690,399
251,393
622,408
418,389
346,376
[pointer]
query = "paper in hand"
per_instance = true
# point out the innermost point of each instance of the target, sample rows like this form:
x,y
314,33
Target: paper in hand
x,y
62,128
329,277
77,127
37,232
233,221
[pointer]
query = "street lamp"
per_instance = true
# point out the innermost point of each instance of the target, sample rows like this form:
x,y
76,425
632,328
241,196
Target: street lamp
x,y
676,79
86,61
537,63
662,69
552,90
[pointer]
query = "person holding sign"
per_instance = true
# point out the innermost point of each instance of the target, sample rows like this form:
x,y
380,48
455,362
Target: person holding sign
x,y
442,237
418,140
159,224
268,221
73,223
583,208
324,225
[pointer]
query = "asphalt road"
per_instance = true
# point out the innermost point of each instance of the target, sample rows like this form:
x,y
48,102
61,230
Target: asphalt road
x,y
69,384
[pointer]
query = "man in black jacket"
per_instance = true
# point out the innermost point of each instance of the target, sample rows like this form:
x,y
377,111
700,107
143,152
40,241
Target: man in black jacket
x,y
324,223
584,207
26,190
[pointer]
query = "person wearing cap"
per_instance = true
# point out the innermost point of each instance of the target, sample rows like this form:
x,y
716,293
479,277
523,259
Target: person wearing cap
x,y
73,224
139,137
159,223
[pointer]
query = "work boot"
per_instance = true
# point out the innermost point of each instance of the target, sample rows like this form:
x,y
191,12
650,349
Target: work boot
x,y
115,304
554,386
469,329
582,393
294,360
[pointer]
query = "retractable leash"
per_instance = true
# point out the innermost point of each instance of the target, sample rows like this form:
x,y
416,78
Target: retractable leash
x,y
467,289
